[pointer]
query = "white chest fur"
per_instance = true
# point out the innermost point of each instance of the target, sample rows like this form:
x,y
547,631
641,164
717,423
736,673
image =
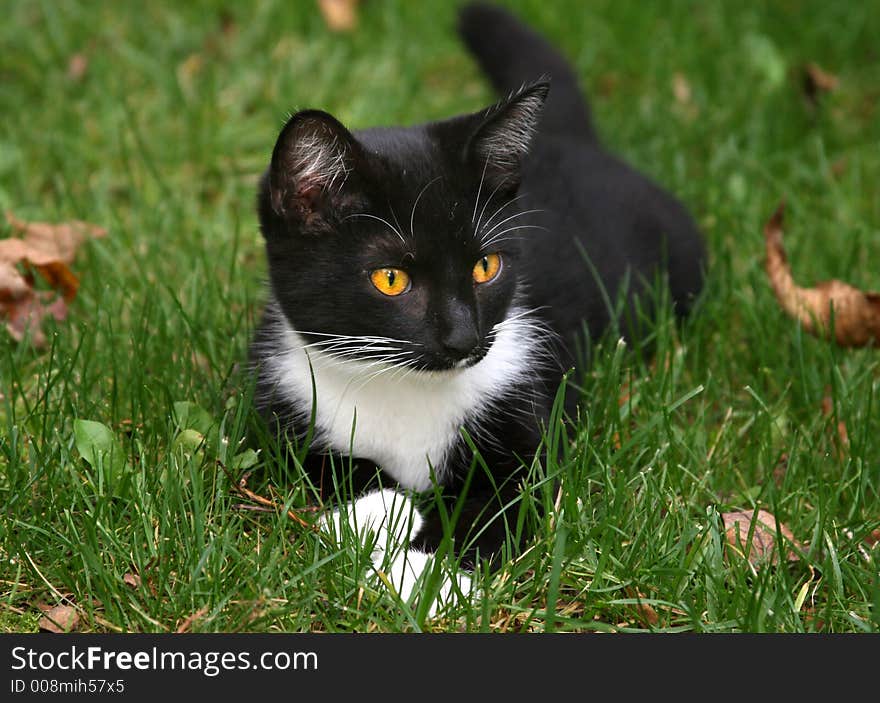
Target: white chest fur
x,y
404,422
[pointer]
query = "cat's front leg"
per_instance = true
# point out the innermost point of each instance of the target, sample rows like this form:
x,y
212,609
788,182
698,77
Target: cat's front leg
x,y
386,522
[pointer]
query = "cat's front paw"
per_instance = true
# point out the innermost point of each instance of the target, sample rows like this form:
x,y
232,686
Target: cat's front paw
x,y
385,521
409,572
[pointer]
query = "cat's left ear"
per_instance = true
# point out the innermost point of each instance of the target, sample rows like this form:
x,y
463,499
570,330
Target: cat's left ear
x,y
311,162
499,144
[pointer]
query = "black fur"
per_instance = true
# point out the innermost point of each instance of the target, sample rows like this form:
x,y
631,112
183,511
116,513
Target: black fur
x,y
323,239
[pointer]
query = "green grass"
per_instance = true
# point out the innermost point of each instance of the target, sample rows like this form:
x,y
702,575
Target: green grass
x,y
162,141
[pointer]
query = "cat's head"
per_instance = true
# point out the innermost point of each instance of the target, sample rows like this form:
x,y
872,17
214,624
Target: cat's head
x,y
399,245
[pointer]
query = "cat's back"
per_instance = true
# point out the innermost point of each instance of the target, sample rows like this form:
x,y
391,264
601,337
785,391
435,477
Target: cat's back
x,y
601,222
603,225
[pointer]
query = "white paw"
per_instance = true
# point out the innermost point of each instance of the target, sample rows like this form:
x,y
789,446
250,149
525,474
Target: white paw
x,y
409,571
386,521
390,517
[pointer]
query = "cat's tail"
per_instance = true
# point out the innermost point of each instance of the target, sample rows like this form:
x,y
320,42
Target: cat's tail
x,y
512,54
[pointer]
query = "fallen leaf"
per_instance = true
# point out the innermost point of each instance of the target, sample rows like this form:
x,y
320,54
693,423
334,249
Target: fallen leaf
x,y
842,435
60,619
47,242
684,103
47,249
763,548
187,624
25,317
130,579
77,67
615,440
340,15
681,89
227,24
838,168
856,314
817,81
645,611
13,285
842,440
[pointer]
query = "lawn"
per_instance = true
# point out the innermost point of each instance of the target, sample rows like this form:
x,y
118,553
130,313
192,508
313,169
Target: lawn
x,y
155,120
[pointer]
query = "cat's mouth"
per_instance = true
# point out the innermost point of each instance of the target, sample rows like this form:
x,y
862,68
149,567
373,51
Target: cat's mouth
x,y
464,363
447,364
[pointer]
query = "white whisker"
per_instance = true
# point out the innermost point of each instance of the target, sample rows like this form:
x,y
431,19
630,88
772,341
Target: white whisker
x,y
480,188
394,215
499,236
356,337
500,209
412,216
484,236
380,219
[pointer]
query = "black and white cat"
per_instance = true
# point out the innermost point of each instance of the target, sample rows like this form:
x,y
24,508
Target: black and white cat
x,y
429,283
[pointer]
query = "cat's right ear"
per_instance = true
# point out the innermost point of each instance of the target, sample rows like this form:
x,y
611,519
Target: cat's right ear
x,y
311,162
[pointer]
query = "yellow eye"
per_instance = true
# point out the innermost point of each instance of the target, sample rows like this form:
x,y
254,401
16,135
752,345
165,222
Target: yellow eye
x,y
390,281
487,268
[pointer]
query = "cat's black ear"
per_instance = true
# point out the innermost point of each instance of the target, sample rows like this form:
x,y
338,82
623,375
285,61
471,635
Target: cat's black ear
x,y
500,142
311,162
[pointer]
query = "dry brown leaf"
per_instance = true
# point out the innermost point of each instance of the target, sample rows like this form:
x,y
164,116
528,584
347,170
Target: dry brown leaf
x,y
780,469
647,615
227,24
681,89
187,624
188,69
842,440
13,285
763,548
838,168
77,67
842,436
136,581
340,15
818,81
53,241
60,619
684,102
26,316
856,313
47,249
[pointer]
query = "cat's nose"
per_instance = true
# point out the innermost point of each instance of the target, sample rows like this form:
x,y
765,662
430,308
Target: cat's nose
x,y
460,341
458,334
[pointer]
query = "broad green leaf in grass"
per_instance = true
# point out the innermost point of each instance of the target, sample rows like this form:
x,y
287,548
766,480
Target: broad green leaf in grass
x,y
191,416
100,449
765,59
197,428
189,441
244,460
